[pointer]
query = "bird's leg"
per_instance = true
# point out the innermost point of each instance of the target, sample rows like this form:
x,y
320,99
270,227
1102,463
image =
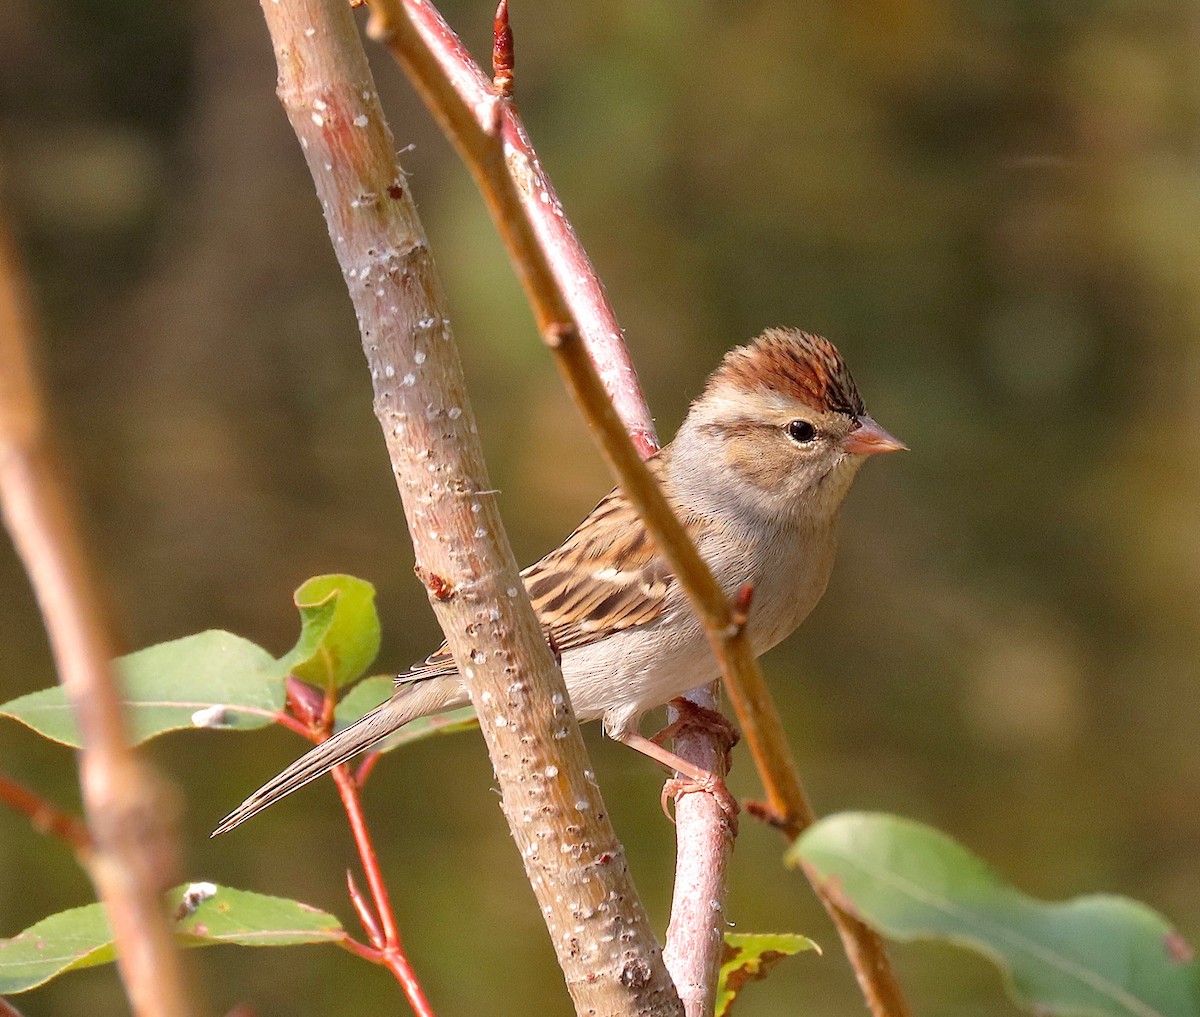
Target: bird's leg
x,y
696,716
694,778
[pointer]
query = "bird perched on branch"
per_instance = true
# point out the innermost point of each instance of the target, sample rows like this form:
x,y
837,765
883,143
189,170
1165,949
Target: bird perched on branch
x,y
757,473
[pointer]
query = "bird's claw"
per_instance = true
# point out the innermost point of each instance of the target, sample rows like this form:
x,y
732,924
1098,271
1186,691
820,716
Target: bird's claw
x,y
710,784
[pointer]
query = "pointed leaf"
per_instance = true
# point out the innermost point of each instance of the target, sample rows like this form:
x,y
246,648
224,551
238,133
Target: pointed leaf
x,y
748,957
370,692
213,679
205,915
339,631
1096,955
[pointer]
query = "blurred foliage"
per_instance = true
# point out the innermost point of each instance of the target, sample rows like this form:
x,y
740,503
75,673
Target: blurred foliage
x,y
992,206
1100,955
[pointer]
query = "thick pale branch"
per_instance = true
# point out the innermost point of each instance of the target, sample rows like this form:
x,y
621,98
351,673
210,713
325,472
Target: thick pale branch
x,y
492,141
576,866
130,811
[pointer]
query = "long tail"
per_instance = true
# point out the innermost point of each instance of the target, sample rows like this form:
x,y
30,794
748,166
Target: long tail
x,y
418,699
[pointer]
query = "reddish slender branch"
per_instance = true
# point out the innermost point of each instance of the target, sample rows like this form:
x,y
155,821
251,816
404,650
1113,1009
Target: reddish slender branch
x,y
311,715
383,920
568,299
46,817
456,90
7,1009
130,811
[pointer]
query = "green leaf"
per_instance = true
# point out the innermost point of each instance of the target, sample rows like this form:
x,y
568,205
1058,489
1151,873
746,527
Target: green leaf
x,y
213,679
749,956
1096,955
204,915
370,692
339,631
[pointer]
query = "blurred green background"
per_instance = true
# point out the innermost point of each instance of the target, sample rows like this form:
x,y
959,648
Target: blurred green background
x,y
993,207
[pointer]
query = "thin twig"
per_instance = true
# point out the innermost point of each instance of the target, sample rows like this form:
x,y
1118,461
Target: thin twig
x,y
130,810
392,952
366,916
7,1009
46,817
610,959
310,714
491,140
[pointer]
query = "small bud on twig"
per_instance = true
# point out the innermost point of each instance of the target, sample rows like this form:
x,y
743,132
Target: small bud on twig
x,y
304,701
503,58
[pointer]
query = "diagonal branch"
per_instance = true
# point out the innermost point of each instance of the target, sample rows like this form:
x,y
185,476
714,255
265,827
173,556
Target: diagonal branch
x,y
491,139
575,864
46,817
130,811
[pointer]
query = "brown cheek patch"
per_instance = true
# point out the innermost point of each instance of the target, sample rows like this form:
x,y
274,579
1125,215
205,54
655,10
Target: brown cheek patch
x,y
764,468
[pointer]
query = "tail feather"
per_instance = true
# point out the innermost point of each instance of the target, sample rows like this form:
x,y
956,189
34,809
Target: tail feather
x,y
417,700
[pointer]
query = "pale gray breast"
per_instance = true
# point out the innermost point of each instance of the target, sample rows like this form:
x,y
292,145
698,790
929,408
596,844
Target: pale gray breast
x,y
789,567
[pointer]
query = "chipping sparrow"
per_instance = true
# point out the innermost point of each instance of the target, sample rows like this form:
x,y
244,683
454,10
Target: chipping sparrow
x,y
757,473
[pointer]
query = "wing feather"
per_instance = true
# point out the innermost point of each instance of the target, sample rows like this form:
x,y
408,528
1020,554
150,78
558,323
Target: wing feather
x,y
607,576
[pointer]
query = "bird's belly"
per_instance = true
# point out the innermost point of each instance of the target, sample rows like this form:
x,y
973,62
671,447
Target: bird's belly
x,y
627,673
638,669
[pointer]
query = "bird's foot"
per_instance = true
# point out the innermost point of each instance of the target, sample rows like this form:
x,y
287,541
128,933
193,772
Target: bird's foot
x,y
706,783
692,715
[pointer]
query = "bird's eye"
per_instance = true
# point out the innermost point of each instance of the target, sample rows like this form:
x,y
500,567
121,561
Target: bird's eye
x,y
801,431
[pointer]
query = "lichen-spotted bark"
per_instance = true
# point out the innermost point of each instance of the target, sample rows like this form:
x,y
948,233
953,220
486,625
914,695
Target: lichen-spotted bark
x,y
576,866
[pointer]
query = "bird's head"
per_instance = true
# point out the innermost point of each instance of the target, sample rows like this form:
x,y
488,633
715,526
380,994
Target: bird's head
x,y
782,417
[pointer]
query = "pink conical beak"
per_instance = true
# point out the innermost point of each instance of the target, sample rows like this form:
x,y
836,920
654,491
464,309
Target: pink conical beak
x,y
868,438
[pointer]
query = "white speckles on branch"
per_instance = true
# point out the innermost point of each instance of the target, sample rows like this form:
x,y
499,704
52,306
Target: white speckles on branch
x,y
389,371
419,357
409,380
316,117
551,770
310,31
361,120
454,413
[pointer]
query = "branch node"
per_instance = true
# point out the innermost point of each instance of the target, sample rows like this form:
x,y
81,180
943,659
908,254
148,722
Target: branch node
x,y
557,334
741,606
305,702
764,813
440,588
